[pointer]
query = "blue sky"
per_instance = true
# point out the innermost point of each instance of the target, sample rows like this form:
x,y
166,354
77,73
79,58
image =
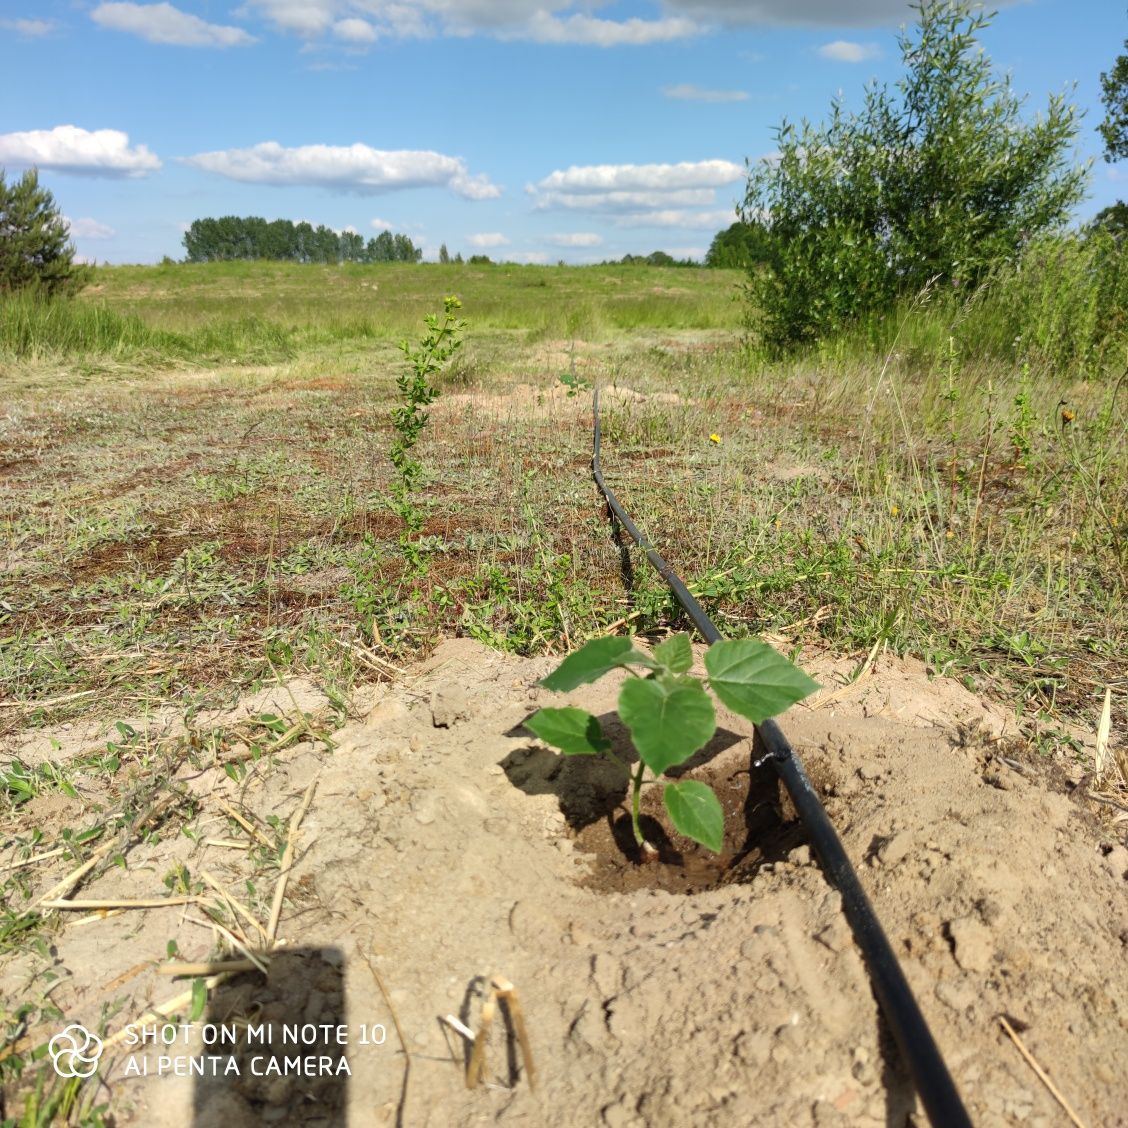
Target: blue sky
x,y
530,130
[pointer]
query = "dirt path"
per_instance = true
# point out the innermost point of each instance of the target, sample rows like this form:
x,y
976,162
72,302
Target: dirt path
x,y
441,845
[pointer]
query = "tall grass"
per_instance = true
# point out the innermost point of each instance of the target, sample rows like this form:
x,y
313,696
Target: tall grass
x,y
34,326
1063,306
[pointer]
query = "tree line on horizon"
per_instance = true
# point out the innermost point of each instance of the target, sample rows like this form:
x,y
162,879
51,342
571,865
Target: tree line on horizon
x,y
249,238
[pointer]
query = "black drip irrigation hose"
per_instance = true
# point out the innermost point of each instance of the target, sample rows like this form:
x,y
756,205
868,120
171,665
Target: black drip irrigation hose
x,y
918,1048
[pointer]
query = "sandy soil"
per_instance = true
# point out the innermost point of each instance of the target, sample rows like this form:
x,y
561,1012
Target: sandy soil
x,y
443,846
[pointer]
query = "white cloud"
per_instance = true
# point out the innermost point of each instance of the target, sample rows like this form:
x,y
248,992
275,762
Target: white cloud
x,y
67,148
477,187
89,229
688,92
684,196
808,13
29,28
650,195
575,239
302,17
843,51
488,239
628,177
543,27
355,31
679,218
572,21
535,257
162,23
352,168
622,201
537,21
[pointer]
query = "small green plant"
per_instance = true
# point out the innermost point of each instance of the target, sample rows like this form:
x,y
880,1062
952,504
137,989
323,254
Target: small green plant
x,y
670,715
575,384
436,347
1022,420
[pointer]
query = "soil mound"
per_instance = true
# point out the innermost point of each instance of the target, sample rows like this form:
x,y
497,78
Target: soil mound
x,y
443,846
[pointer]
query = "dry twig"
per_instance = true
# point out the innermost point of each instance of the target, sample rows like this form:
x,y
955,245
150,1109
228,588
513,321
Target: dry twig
x,y
1042,1075
287,862
399,1034
216,967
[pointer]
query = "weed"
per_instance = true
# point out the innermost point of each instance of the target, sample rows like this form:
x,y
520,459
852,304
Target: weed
x,y
436,347
670,715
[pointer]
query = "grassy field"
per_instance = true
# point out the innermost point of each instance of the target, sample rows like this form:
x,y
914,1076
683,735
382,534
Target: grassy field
x,y
194,473
194,501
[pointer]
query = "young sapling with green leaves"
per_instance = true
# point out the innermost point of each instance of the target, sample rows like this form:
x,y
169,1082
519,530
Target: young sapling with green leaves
x,y
670,716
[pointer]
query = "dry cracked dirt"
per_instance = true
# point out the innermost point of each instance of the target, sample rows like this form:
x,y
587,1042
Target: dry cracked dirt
x,y
443,845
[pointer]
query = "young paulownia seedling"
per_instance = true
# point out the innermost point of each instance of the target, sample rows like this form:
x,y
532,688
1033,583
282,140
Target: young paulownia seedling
x,y
670,715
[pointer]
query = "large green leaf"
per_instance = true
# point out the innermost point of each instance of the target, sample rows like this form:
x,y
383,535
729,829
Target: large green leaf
x,y
696,812
573,731
669,718
675,654
592,661
754,680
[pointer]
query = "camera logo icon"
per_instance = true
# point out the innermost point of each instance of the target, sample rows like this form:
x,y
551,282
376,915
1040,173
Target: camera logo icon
x,y
75,1052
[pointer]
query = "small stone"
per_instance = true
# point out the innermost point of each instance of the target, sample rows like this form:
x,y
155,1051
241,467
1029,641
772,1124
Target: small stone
x,y
449,705
862,1068
616,1116
1116,862
870,770
800,856
835,937
386,713
974,944
896,849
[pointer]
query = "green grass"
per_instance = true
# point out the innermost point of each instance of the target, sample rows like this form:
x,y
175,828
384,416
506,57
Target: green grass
x,y
174,531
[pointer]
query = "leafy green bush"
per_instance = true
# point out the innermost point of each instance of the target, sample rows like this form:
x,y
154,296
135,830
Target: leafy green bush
x,y
739,247
940,185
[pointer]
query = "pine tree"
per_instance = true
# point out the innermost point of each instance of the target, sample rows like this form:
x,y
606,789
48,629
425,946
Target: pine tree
x,y
34,240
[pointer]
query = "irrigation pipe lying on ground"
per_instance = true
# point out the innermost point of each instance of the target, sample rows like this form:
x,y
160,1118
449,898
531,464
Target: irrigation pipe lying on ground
x,y
933,1082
